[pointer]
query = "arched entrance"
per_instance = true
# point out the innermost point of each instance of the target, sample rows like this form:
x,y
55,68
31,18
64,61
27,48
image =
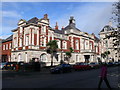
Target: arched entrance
x,y
43,57
87,57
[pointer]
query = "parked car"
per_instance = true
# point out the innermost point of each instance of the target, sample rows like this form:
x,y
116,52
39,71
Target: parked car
x,y
10,65
109,64
81,66
116,63
94,65
2,65
61,68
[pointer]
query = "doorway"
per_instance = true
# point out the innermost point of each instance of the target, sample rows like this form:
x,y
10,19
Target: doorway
x,y
87,58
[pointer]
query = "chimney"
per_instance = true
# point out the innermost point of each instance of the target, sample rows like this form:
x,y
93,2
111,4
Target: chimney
x,y
93,34
62,27
45,16
71,20
56,27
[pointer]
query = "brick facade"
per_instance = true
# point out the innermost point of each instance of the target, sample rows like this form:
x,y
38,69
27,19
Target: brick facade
x,y
30,39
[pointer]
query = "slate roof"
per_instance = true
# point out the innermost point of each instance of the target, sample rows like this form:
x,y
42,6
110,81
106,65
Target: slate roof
x,y
71,26
109,28
8,39
97,39
59,31
14,30
33,20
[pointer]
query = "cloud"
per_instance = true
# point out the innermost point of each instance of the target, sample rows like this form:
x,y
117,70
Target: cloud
x,y
4,36
6,30
11,14
90,17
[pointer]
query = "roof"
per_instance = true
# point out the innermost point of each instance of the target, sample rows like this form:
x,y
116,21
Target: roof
x,y
109,28
33,20
14,30
97,39
71,25
59,31
8,39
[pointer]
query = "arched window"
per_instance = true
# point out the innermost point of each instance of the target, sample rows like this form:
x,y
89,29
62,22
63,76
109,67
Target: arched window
x,y
43,30
105,29
43,57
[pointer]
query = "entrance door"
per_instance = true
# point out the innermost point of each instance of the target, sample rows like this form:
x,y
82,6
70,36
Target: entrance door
x,y
87,57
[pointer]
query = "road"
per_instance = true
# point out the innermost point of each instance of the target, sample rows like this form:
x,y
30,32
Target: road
x,y
75,79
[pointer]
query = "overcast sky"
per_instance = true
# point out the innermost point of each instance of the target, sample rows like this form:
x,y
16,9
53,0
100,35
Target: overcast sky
x,y
90,17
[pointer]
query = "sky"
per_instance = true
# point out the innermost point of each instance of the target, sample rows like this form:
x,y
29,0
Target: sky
x,y
90,17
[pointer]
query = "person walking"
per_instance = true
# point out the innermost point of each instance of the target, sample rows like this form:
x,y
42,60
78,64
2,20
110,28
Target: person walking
x,y
103,76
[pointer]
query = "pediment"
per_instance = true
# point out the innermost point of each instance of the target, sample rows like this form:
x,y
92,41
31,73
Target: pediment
x,y
21,21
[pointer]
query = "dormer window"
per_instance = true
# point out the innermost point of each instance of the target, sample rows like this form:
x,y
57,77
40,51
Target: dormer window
x,y
22,21
105,29
71,30
65,32
44,29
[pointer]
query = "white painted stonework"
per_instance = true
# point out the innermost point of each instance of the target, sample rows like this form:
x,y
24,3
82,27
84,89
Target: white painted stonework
x,y
86,51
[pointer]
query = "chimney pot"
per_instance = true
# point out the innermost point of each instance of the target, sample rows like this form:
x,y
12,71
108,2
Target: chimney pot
x,y
45,16
56,26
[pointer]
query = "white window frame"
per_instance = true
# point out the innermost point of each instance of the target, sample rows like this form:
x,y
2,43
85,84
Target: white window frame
x,y
15,42
26,40
3,47
43,41
96,48
20,43
6,46
43,29
77,45
59,44
10,46
91,46
64,45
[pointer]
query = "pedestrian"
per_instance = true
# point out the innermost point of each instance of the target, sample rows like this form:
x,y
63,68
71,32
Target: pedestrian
x,y
103,76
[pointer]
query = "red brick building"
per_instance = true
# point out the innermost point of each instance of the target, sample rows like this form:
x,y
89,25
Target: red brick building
x,y
30,38
6,49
